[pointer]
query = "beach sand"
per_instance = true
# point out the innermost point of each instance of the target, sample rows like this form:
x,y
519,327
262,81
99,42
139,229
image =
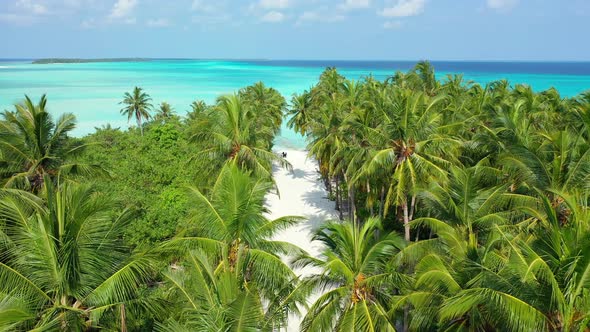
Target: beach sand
x,y
302,193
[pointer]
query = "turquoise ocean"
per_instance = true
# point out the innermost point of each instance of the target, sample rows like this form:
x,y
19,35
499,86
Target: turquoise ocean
x,y
92,91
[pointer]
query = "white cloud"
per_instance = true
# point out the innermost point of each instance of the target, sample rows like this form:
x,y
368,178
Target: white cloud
x,y
355,4
404,8
30,12
211,12
392,25
211,19
72,3
274,4
314,16
158,23
130,20
501,4
79,4
273,17
123,8
16,19
202,6
33,7
27,12
88,24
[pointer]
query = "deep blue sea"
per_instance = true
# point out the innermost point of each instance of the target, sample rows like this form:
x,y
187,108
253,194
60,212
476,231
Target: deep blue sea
x,y
92,91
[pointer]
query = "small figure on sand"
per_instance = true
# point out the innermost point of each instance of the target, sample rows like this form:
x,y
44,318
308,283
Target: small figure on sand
x,y
284,154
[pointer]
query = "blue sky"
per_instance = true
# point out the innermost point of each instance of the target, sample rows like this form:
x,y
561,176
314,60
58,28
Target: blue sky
x,y
297,29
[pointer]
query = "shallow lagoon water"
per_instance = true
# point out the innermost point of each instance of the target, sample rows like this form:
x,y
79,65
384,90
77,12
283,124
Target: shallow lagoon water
x,y
92,91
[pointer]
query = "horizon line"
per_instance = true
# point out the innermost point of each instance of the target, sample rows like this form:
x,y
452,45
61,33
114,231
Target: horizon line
x,y
302,60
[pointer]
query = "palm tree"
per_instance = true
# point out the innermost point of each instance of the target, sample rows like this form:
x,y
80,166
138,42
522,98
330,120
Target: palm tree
x,y
464,279
232,263
214,297
63,264
231,135
519,281
425,71
34,146
137,105
407,144
299,109
555,263
356,280
325,140
266,104
165,111
474,200
198,108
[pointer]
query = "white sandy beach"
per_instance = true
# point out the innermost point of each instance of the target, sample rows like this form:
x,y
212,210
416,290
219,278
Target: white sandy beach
x,y
301,194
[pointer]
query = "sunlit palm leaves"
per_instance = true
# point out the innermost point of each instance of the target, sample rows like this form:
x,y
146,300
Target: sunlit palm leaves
x,y
164,112
63,264
267,106
231,134
356,280
137,105
231,260
33,146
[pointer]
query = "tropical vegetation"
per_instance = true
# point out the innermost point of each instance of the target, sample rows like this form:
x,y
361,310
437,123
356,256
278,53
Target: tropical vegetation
x,y
462,208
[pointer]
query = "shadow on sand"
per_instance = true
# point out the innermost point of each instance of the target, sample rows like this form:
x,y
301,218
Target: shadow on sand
x,y
325,209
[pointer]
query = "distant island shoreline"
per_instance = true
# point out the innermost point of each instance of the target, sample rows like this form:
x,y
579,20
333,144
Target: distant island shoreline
x,y
71,60
88,60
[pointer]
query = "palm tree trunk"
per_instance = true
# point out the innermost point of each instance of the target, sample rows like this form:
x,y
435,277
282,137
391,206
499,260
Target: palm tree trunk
x,y
123,319
406,222
408,239
139,125
337,194
338,199
412,207
351,206
382,202
411,217
407,218
371,209
406,318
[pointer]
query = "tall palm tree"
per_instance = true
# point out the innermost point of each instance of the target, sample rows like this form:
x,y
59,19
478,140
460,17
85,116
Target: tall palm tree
x,y
267,106
555,263
198,108
231,135
425,71
408,145
228,246
165,111
137,105
298,110
64,265
33,146
356,280
325,139
214,298
464,279
520,281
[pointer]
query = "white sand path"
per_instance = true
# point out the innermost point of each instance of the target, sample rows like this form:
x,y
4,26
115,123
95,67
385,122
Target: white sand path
x,y
302,193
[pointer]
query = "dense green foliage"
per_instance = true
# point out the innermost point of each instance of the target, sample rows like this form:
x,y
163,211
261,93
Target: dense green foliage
x,y
489,186
234,264
463,207
64,265
147,173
